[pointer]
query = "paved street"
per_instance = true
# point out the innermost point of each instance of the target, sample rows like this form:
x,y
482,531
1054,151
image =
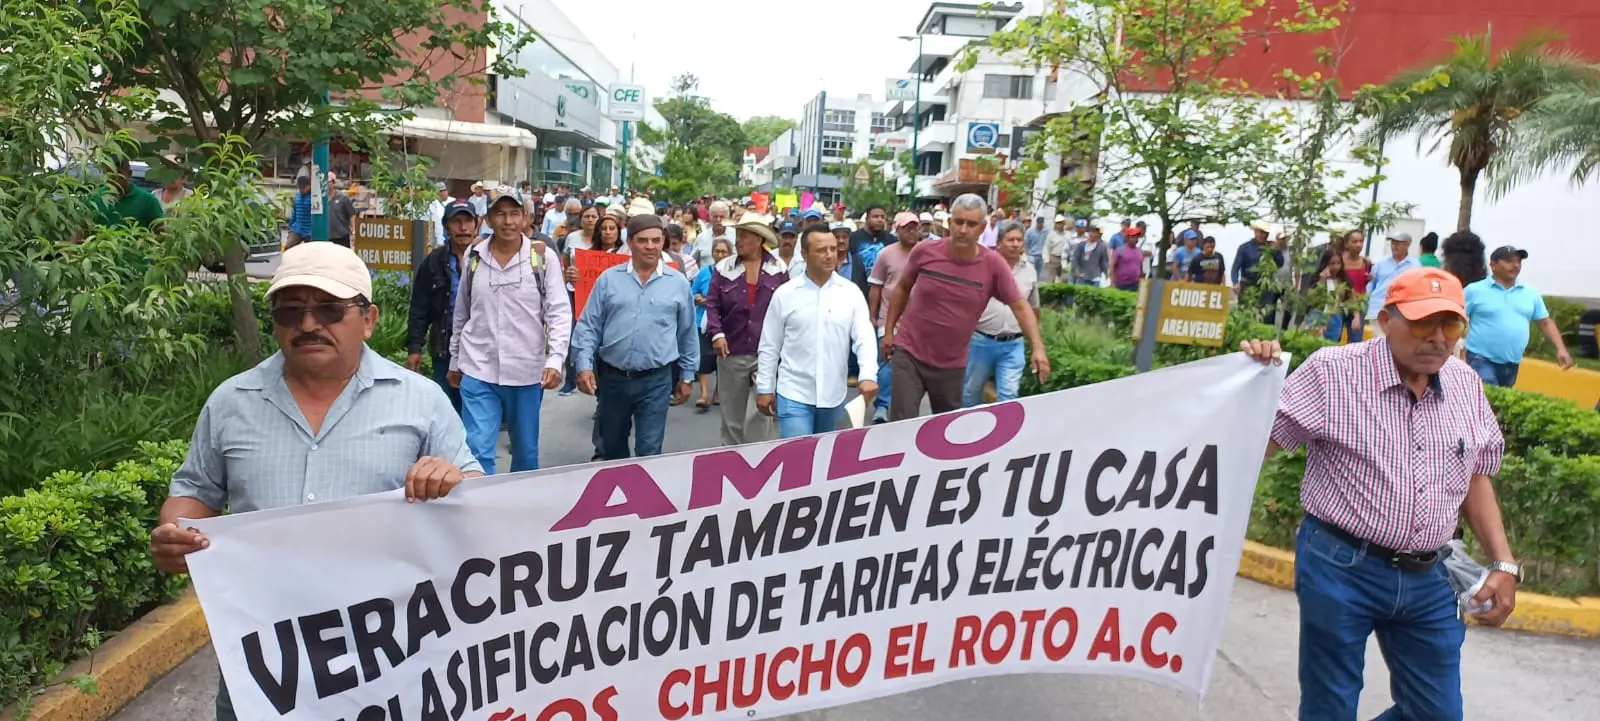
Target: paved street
x,y
1506,675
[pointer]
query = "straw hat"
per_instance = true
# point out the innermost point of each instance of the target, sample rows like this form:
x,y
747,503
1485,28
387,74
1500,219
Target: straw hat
x,y
759,224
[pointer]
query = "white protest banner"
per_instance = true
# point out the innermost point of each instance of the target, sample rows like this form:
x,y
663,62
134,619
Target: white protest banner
x,y
1095,530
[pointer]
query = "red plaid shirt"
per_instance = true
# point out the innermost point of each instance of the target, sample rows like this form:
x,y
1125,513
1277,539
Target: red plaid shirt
x,y
1382,464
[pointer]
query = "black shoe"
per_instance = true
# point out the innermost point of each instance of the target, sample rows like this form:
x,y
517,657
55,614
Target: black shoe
x,y
597,457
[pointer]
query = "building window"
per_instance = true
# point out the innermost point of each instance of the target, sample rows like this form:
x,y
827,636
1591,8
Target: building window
x,y
1008,87
882,123
836,148
839,121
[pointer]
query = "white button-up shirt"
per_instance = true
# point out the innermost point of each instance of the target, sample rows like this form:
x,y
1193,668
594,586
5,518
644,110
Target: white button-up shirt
x,y
512,332
806,341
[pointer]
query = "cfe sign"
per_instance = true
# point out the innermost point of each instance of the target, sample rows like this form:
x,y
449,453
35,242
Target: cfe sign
x,y
1186,313
627,102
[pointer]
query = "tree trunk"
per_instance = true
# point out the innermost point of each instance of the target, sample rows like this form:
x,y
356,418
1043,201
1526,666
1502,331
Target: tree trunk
x,y
243,303
1469,188
1162,246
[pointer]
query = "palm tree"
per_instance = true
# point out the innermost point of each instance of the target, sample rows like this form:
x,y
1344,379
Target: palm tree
x,y
1476,98
1562,132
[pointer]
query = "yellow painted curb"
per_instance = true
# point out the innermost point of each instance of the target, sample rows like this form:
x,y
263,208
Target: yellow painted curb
x,y
125,665
1578,617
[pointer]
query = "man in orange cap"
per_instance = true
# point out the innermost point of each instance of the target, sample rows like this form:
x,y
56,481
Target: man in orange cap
x,y
1401,445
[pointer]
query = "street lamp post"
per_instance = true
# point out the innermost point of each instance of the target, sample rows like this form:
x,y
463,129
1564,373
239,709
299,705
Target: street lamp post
x,y
916,121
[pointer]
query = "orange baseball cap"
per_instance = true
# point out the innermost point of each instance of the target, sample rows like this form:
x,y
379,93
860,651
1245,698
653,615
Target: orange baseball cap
x,y
1422,292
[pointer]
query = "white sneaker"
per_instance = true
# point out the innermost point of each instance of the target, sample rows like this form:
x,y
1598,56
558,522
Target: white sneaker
x,y
880,415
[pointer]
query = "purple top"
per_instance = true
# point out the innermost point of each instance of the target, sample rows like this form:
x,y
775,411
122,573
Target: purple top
x,y
1130,265
731,311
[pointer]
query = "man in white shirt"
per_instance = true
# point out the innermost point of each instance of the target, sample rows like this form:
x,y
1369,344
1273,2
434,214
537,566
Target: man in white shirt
x,y
812,324
716,226
436,214
997,350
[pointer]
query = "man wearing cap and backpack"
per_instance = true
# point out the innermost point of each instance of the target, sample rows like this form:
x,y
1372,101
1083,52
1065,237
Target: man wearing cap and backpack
x,y
1501,310
511,325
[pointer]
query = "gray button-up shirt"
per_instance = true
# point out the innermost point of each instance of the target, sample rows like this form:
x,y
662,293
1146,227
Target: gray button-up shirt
x,y
638,326
512,332
253,449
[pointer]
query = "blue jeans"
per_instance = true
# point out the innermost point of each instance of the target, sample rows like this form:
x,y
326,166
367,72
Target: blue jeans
x,y
483,407
1001,359
885,382
1492,373
441,373
796,419
1347,595
633,402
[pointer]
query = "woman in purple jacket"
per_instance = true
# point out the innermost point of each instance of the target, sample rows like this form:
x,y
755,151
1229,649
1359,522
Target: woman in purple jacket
x,y
741,286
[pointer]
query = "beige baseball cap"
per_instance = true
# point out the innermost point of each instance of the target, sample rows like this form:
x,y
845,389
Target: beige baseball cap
x,y
328,267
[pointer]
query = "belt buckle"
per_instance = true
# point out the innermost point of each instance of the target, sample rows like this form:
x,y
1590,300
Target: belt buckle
x,y
1413,561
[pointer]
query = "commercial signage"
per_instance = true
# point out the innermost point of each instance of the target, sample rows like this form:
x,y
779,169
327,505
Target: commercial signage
x,y
584,90
983,137
385,243
765,580
1190,313
627,102
1019,140
900,89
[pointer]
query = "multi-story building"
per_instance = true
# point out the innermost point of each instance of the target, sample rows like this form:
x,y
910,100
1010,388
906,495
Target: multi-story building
x,y
949,118
836,129
753,156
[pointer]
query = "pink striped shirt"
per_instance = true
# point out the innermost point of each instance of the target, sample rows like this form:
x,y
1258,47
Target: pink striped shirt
x,y
1381,463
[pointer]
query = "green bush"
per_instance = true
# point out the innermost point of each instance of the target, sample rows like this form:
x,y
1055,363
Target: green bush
x,y
1114,306
1551,506
1549,487
1530,421
1565,313
75,563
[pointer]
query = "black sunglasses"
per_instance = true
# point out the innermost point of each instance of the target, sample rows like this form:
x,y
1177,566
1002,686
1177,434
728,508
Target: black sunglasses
x,y
328,313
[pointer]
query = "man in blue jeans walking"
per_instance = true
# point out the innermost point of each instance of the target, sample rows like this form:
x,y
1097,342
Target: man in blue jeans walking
x,y
812,324
512,321
1401,446
637,343
997,349
1501,310
885,272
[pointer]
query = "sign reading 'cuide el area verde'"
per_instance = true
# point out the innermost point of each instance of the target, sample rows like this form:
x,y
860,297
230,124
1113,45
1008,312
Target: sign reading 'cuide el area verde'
x,y
1188,313
385,243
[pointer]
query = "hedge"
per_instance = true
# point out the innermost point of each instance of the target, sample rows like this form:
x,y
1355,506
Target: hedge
x,y
75,563
1549,485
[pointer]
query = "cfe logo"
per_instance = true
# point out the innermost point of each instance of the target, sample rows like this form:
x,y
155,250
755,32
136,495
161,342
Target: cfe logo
x,y
627,96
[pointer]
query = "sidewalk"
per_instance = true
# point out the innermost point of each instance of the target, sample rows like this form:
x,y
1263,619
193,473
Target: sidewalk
x,y
1505,675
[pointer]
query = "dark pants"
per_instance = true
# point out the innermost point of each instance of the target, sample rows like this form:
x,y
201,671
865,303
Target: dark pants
x,y
441,371
913,379
343,240
1347,595
633,402
1492,373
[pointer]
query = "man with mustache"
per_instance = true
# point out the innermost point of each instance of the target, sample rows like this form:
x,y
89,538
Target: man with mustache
x,y
324,418
1401,445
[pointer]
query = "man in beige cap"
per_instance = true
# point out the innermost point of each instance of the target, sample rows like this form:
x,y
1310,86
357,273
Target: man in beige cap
x,y
324,418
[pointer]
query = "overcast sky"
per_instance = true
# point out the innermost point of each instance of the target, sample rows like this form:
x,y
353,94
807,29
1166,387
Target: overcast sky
x,y
739,48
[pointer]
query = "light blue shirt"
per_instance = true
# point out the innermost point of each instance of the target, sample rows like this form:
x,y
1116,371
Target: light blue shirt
x,y
638,326
1182,256
1500,318
253,449
1383,272
1034,240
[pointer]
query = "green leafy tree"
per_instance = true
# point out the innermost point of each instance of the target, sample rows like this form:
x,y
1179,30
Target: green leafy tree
x,y
257,70
1473,101
763,129
1189,152
710,144
102,344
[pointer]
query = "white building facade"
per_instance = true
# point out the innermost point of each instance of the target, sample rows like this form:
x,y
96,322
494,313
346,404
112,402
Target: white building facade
x,y
835,129
562,98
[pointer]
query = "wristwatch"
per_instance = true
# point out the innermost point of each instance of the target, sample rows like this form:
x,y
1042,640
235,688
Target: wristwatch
x,y
1511,567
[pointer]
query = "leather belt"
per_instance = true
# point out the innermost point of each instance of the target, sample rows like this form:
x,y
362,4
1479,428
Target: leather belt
x,y
613,370
1408,561
1000,338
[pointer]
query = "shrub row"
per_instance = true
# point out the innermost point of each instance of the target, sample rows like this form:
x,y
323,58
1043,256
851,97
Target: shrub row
x,y
75,563
1549,486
